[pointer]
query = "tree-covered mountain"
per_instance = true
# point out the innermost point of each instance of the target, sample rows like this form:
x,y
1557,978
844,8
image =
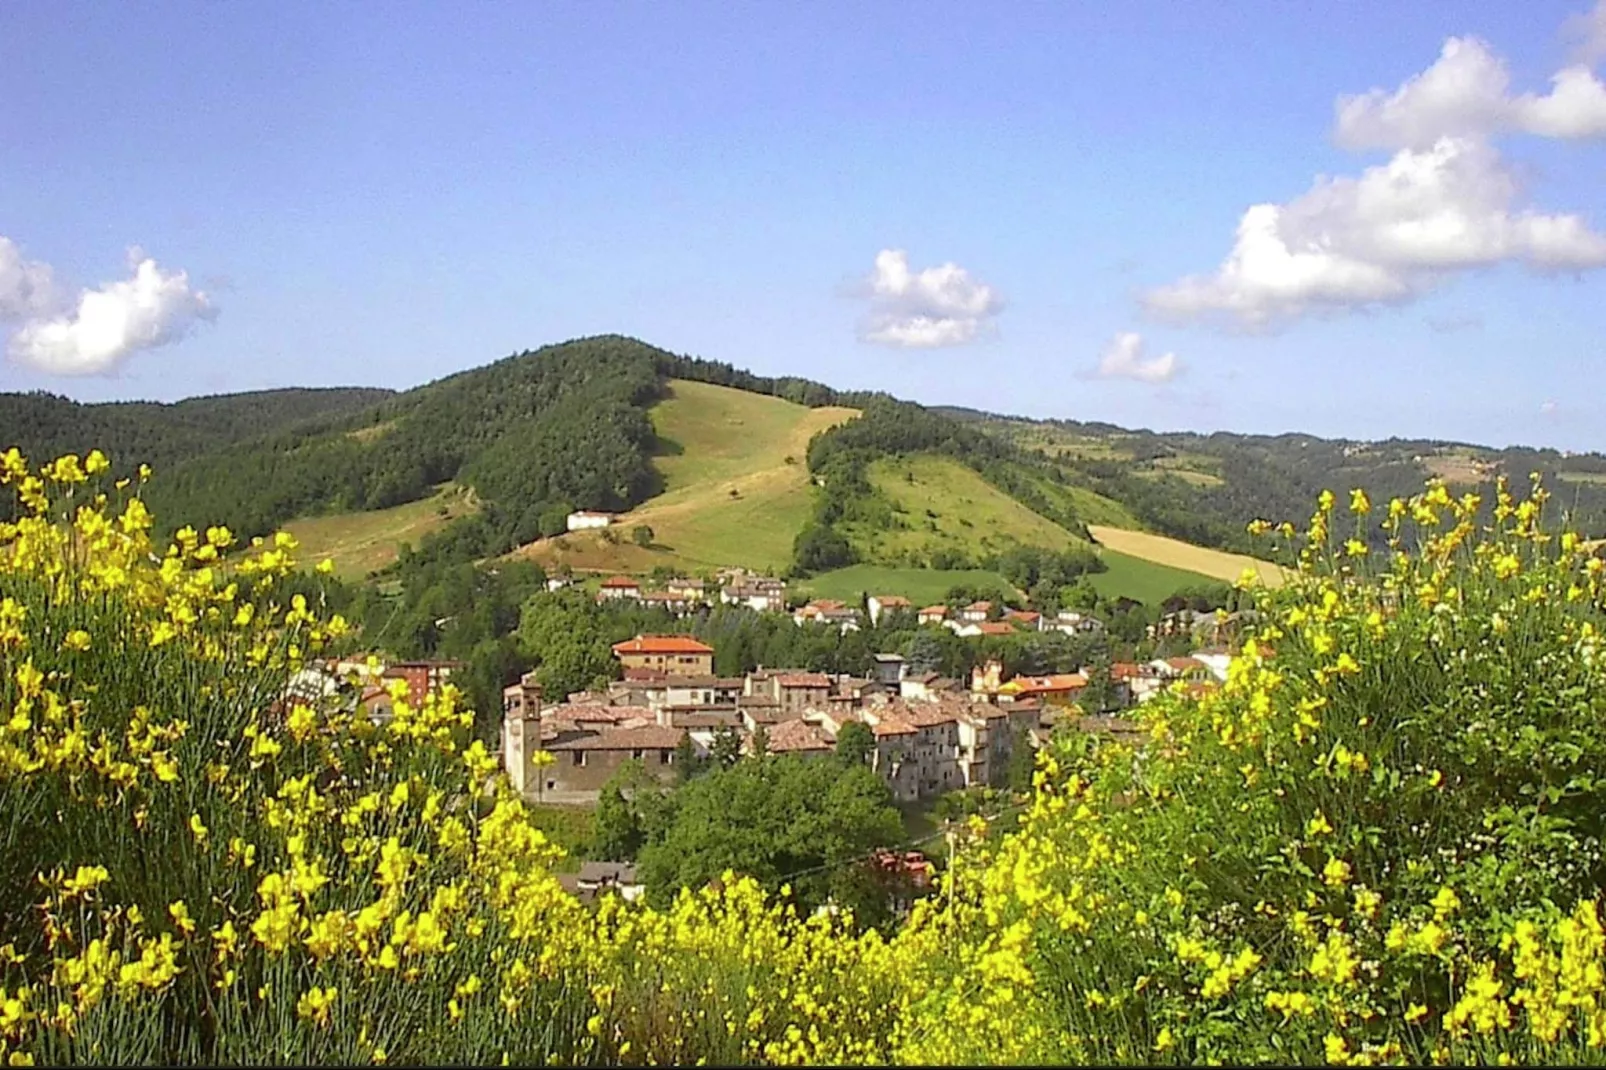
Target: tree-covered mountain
x,y
45,425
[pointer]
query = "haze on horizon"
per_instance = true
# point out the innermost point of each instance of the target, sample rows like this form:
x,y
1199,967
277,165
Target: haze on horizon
x,y
1350,220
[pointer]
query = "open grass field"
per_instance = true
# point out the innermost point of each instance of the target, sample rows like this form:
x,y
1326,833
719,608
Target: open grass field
x,y
736,486
946,506
359,543
1176,554
1144,581
922,586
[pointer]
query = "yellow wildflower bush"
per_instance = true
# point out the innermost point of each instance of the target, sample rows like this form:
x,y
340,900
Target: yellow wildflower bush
x,y
1378,842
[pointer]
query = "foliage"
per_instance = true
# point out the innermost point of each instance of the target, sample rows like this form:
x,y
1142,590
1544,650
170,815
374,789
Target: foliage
x,y
781,819
855,743
1380,841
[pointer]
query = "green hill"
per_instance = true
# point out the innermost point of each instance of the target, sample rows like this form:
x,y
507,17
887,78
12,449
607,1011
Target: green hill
x,y
940,508
735,488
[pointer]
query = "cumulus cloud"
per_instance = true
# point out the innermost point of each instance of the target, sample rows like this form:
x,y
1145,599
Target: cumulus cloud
x,y
939,306
1125,358
1382,238
1589,31
94,333
27,287
1446,202
1466,93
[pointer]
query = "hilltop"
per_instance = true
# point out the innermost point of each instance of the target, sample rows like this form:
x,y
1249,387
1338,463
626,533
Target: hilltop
x,y
730,469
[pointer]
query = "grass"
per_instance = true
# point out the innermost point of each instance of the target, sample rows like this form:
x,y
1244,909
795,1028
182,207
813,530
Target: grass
x,y
736,486
1581,477
359,543
1143,581
1181,556
943,505
922,586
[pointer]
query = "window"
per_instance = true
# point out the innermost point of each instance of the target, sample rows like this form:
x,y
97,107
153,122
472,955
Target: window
x,y
637,753
664,756
552,785
579,757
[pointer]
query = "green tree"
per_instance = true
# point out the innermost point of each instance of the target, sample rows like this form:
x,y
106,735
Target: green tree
x,y
727,747
688,763
789,818
641,535
855,742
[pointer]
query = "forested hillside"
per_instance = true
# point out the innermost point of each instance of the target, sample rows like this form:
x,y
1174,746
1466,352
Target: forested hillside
x,y
1205,489
147,432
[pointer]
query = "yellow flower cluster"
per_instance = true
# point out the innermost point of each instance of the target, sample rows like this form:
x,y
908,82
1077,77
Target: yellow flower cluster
x,y
1325,859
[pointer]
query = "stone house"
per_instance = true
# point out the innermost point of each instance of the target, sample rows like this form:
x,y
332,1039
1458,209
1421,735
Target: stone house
x,y
618,587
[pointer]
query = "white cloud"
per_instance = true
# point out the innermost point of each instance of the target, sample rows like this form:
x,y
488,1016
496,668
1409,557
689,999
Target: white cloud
x,y
27,287
1385,237
105,326
1445,203
1124,358
1466,94
1589,31
1546,408
939,306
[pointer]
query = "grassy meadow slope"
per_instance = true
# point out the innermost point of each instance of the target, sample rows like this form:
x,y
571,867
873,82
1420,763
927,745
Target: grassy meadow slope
x,y
922,586
940,504
362,542
736,489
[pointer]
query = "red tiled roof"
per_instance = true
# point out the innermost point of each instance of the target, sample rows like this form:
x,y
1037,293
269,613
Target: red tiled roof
x,y
892,600
661,644
995,627
1059,683
892,726
1126,670
621,582
934,611
642,737
1184,664
804,679
1023,614
797,736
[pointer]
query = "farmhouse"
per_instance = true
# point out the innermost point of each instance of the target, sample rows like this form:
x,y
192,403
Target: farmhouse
x,y
976,612
586,520
674,655
690,590
618,587
1071,622
880,604
932,615
762,594
828,611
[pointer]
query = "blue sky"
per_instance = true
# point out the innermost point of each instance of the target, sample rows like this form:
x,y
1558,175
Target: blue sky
x,y
384,195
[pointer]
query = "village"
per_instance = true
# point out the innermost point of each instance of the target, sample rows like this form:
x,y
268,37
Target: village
x,y
931,734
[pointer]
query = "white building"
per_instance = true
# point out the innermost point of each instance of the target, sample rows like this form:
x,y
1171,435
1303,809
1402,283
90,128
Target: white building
x,y
585,520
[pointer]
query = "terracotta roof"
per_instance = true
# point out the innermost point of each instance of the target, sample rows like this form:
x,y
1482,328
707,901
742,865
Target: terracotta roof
x,y
1059,683
892,599
925,716
587,713
892,726
994,627
804,679
1023,614
798,736
1126,670
934,611
1184,664
621,582
641,737
979,607
662,644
